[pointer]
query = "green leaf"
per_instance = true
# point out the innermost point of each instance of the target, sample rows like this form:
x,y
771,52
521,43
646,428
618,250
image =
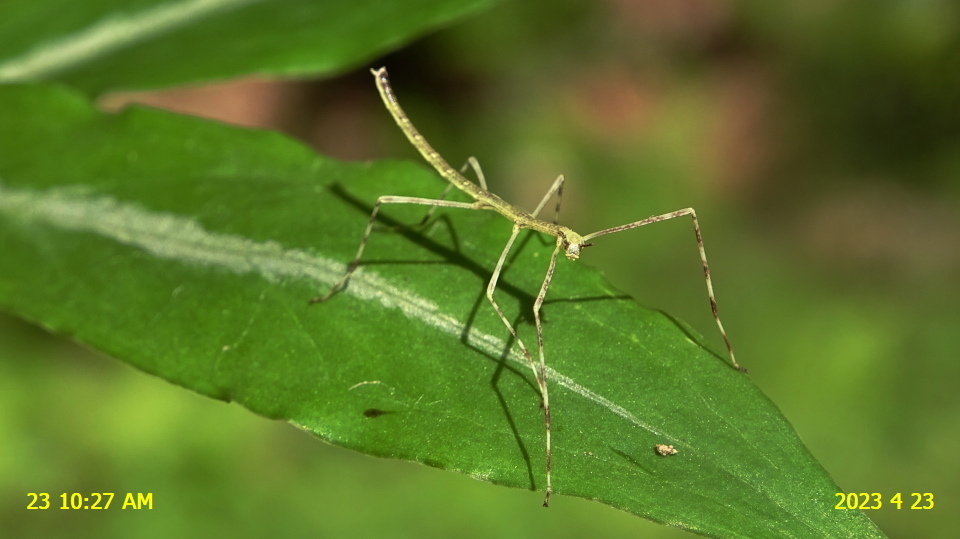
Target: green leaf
x,y
106,45
190,249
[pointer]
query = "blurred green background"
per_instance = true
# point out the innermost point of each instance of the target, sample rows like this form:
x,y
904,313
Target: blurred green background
x,y
819,143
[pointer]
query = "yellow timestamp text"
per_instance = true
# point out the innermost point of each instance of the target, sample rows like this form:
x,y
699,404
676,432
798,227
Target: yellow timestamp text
x,y
92,500
875,500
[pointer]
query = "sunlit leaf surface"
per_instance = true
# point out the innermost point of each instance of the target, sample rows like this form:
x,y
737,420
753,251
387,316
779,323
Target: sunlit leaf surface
x,y
190,250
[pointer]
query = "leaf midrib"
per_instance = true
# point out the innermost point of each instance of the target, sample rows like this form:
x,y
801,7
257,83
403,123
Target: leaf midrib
x,y
175,237
108,35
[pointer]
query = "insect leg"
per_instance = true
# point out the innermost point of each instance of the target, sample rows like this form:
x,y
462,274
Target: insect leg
x,y
542,378
475,165
703,260
373,217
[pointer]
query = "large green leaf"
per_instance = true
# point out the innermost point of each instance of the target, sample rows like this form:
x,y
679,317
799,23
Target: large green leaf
x,y
107,45
190,249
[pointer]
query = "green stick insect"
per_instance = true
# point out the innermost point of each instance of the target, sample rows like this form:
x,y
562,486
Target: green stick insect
x,y
568,241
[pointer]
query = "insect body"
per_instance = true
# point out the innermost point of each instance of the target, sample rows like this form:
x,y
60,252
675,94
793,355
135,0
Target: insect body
x,y
568,241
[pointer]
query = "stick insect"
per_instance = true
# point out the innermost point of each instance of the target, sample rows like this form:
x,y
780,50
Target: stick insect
x,y
568,241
